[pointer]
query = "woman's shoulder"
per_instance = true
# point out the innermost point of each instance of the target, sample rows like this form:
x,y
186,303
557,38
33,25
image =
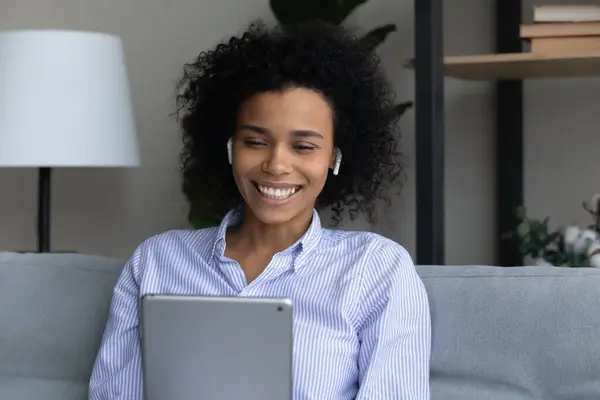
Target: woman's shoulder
x,y
367,242
176,242
180,236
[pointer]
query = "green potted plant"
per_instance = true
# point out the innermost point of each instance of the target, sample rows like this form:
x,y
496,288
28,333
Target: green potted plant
x,y
569,246
334,12
286,12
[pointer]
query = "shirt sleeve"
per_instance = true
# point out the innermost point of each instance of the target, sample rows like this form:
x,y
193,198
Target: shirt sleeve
x,y
395,335
117,372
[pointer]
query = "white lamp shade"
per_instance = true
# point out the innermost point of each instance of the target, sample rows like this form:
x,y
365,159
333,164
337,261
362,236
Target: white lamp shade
x,y
65,101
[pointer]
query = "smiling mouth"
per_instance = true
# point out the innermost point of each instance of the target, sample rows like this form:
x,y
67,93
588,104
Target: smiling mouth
x,y
278,194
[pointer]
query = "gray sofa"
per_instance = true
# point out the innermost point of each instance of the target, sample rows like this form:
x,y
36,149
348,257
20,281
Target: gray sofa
x,y
498,333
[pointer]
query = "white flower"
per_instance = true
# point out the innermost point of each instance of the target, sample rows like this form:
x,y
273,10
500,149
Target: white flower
x,y
571,235
593,248
593,254
582,244
594,261
591,206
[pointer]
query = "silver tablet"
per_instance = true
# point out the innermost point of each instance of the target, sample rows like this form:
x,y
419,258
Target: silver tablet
x,y
216,348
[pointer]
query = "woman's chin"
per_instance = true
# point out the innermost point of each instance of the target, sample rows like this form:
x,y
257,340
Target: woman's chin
x,y
272,216
277,215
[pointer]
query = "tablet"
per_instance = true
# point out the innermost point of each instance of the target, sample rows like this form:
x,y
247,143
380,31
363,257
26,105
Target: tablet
x,y
216,348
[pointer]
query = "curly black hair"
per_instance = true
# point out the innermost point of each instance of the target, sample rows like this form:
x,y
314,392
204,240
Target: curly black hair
x,y
326,58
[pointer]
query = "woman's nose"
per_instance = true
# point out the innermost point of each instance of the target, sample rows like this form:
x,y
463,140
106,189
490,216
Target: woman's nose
x,y
277,162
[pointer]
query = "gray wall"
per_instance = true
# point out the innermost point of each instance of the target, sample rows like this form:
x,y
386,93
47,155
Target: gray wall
x,y
109,212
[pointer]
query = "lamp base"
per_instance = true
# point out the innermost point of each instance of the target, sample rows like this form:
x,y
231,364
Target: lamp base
x,y
44,174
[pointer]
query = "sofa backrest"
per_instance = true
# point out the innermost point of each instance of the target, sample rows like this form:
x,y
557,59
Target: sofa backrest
x,y
514,333
53,310
498,333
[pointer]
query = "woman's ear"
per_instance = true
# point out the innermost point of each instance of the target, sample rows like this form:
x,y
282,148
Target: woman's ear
x,y
336,160
229,151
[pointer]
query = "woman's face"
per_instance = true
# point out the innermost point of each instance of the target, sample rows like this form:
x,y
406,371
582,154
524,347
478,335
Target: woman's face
x,y
282,150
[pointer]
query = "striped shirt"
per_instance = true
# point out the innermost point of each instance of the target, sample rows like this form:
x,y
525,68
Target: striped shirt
x,y
362,325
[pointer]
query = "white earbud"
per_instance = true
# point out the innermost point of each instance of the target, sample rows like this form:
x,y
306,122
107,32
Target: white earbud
x,y
338,161
229,156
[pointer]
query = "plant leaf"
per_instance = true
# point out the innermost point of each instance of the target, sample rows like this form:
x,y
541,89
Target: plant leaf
x,y
551,238
202,213
198,221
345,8
401,108
377,36
523,229
295,11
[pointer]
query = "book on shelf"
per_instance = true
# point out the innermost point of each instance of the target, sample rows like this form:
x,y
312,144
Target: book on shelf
x,y
558,45
549,29
563,28
566,13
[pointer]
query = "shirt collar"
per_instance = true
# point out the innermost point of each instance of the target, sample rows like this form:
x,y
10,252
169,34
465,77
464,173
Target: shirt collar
x,y
303,246
232,219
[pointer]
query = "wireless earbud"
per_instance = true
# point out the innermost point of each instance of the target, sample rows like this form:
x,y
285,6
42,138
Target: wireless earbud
x,y
338,161
229,156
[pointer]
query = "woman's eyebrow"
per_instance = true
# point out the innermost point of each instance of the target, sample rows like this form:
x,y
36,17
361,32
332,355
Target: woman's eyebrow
x,y
307,133
303,133
254,128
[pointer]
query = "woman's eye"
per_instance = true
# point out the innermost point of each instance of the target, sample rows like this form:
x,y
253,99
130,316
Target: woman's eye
x,y
304,148
254,143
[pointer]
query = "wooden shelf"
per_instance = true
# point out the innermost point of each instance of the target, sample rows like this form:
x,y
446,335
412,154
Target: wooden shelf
x,y
520,66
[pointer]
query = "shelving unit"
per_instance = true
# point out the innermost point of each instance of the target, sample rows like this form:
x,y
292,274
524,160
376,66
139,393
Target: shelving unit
x,y
508,67
429,125
486,67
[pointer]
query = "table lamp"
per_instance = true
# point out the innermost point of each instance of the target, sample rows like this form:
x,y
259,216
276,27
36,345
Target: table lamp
x,y
64,102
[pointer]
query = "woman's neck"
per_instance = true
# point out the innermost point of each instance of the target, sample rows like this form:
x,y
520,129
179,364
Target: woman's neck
x,y
256,236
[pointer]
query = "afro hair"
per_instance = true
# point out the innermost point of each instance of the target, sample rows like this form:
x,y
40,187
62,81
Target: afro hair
x,y
326,58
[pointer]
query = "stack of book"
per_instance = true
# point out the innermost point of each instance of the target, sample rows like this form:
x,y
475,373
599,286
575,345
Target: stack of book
x,y
560,29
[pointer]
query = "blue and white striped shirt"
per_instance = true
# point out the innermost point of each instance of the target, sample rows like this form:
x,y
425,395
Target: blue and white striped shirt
x,y
361,315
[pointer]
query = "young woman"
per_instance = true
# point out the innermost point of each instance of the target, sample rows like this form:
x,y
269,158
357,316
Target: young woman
x,y
287,120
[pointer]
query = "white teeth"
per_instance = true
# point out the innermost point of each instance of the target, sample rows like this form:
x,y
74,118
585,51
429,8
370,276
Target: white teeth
x,y
277,194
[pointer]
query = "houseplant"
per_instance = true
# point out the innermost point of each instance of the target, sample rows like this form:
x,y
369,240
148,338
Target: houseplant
x,y
334,12
569,246
201,214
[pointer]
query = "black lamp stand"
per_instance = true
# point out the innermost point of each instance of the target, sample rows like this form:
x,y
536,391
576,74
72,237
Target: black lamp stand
x,y
44,209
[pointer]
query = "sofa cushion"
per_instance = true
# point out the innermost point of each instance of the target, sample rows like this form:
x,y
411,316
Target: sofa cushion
x,y
514,333
53,309
18,388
